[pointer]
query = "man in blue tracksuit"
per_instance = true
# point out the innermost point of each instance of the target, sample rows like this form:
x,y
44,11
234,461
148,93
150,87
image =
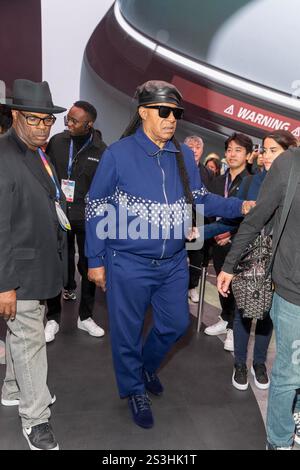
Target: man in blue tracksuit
x,y
137,207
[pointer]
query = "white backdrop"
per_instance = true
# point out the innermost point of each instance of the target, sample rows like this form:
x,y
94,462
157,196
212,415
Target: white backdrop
x,y
66,28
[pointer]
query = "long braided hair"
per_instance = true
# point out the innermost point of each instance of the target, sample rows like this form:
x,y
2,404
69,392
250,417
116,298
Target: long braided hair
x,y
133,126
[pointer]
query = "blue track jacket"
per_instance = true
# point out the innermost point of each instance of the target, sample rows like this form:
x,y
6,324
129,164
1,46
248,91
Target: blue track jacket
x,y
136,201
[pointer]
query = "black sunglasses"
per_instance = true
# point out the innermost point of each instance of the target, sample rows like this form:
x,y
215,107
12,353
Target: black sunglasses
x,y
165,111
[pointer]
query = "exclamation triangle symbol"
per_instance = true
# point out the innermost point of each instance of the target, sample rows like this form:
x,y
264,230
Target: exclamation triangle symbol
x,y
229,110
296,132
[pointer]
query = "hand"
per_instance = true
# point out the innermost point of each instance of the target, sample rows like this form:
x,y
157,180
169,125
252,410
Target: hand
x,y
247,206
193,234
8,305
223,283
253,156
98,276
224,241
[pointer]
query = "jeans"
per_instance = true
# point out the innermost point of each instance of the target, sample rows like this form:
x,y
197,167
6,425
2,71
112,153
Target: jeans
x,y
285,378
241,332
26,364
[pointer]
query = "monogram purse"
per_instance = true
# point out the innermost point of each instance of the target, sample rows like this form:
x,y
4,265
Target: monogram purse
x,y
252,284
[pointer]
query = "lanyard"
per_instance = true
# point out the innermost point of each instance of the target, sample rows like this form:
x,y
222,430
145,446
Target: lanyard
x,y
71,152
50,173
227,185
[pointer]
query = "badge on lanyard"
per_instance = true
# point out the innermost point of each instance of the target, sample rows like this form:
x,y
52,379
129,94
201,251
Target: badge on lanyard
x,y
68,188
62,218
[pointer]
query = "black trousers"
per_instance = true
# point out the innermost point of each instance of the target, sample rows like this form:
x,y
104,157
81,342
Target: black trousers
x,y
198,259
87,299
219,254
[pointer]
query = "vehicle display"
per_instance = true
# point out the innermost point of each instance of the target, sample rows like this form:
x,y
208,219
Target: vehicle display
x,y
233,75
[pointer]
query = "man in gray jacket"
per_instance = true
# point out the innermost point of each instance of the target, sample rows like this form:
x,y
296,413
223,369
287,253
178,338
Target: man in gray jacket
x,y
32,227
283,417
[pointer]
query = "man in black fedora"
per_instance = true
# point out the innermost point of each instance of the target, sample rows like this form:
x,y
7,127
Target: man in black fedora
x,y
32,228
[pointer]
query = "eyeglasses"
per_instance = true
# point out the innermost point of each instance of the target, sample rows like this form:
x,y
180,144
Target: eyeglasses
x,y
165,111
32,120
74,121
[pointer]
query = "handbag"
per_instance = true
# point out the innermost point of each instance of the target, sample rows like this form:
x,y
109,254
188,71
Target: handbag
x,y
252,284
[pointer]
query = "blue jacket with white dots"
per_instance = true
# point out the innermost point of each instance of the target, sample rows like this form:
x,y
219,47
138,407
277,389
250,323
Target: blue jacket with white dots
x,y
136,201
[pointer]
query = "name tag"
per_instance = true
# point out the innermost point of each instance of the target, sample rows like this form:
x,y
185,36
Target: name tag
x,y
68,188
62,218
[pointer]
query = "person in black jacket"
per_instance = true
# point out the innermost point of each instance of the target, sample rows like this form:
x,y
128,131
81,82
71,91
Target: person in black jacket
x,y
32,228
238,148
75,155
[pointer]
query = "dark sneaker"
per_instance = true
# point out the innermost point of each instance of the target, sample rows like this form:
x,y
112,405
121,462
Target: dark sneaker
x,y
141,411
261,379
273,447
297,429
239,377
69,295
40,437
152,383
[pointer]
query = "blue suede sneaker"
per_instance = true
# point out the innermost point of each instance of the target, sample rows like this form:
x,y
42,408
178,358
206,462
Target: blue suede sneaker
x,y
141,411
152,383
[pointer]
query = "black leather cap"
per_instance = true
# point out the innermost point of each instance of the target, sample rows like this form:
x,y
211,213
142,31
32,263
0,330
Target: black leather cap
x,y
157,91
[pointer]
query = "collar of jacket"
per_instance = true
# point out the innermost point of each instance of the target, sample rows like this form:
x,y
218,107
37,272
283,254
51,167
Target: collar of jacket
x,y
11,133
239,176
150,147
97,138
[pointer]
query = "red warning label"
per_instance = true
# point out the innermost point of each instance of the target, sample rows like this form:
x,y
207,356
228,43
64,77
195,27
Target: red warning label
x,y
234,109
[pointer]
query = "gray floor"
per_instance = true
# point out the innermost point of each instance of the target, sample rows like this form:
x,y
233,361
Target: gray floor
x,y
199,410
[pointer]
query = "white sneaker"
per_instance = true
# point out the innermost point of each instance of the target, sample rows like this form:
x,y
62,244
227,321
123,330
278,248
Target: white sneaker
x,y
91,327
194,295
229,343
17,401
51,328
297,430
217,328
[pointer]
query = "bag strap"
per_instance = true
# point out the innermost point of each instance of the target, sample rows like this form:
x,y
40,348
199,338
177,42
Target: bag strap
x,y
294,178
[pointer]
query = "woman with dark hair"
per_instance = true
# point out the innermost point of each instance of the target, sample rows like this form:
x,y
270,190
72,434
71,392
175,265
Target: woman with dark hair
x,y
274,144
138,204
213,164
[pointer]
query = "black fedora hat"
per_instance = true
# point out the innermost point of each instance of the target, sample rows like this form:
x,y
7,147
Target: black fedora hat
x,y
34,97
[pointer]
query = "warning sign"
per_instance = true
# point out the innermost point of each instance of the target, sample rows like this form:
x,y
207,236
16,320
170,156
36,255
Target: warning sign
x,y
296,132
233,109
229,110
